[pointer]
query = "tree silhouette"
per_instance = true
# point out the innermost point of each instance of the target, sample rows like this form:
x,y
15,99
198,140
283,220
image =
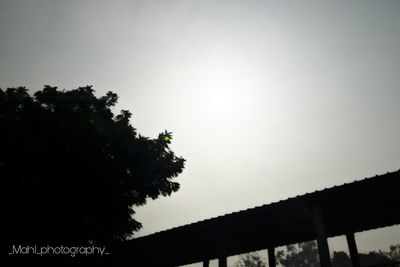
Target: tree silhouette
x,y
394,252
299,255
341,259
72,171
376,257
250,260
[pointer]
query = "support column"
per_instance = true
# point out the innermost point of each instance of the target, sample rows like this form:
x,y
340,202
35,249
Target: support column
x,y
222,261
322,240
206,263
271,257
351,242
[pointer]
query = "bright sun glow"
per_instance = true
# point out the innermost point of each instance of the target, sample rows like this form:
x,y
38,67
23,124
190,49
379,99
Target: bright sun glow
x,y
226,84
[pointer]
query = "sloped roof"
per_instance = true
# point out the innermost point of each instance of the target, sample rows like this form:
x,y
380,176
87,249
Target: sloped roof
x,y
353,207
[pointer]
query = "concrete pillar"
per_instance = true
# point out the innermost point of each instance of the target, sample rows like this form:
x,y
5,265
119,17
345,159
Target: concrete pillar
x,y
271,257
222,261
351,242
322,240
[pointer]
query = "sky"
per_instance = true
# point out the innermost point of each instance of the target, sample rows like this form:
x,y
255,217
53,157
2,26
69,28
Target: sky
x,y
266,99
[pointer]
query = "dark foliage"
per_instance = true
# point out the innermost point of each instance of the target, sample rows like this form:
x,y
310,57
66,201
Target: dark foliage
x,y
250,260
341,259
71,171
299,255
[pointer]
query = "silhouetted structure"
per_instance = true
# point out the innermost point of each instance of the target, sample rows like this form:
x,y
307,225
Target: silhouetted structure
x,y
341,210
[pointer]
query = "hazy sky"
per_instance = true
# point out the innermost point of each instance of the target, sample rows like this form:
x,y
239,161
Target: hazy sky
x,y
266,99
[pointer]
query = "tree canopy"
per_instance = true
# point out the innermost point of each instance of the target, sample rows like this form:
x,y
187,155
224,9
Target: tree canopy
x,y
299,255
71,170
252,259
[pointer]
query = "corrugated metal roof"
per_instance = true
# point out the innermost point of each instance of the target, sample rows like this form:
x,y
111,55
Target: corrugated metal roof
x,y
358,206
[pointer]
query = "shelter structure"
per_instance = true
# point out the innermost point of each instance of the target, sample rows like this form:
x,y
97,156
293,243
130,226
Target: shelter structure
x,y
341,210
